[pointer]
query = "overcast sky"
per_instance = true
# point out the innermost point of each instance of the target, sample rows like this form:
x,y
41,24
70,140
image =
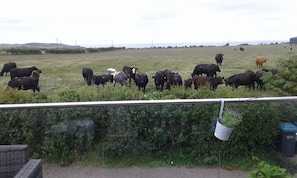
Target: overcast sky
x,y
146,21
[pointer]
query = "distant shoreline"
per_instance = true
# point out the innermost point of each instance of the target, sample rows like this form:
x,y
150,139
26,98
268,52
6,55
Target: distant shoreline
x,y
156,45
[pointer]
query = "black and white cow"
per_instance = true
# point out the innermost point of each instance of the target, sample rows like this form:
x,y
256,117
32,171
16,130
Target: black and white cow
x,y
130,71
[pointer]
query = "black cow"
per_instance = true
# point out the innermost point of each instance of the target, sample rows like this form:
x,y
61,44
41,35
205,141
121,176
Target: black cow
x,y
130,71
209,69
6,68
160,79
219,58
202,81
102,79
25,83
141,81
176,80
168,76
87,74
121,78
188,83
241,49
22,72
259,81
247,78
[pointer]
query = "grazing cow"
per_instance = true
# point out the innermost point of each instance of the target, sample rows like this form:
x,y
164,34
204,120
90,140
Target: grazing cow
x,y
260,61
202,81
160,79
25,83
176,80
241,49
247,78
209,69
22,72
141,81
87,74
130,71
6,68
121,78
219,58
273,71
188,83
102,79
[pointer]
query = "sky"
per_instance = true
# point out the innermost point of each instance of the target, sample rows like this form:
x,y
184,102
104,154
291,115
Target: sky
x,y
117,22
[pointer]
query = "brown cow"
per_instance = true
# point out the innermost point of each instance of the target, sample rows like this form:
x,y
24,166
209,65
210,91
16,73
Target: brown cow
x,y
202,81
260,61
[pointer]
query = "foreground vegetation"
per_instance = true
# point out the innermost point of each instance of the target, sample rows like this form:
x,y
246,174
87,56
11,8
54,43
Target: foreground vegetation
x,y
159,135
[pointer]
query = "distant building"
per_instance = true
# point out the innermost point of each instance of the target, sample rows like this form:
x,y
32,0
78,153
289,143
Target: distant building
x,y
293,40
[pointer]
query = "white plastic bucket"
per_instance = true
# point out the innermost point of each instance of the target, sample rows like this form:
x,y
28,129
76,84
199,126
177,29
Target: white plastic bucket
x,y
222,132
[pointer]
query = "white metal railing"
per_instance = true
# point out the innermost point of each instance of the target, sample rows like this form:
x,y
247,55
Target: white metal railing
x,y
143,102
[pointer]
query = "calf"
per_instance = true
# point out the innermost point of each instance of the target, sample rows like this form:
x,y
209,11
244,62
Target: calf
x,y
102,79
7,67
141,81
188,83
260,61
202,81
22,72
87,74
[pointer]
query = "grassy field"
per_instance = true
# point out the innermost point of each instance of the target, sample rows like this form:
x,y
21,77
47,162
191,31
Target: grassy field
x,y
64,71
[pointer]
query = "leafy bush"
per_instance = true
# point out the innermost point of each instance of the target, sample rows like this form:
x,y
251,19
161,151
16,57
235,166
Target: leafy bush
x,y
285,81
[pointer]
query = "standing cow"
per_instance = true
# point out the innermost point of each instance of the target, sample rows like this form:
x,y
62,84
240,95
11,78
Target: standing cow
x,y
247,78
176,80
22,72
202,81
209,69
260,61
7,67
160,79
141,81
87,74
130,71
219,58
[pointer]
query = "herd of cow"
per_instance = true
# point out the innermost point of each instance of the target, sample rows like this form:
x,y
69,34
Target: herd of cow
x,y
22,78
27,78
167,78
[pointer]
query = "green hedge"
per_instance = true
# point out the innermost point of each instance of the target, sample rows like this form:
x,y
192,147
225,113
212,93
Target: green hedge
x,y
140,130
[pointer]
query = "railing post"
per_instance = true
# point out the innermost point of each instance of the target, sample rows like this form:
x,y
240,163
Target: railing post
x,y
221,108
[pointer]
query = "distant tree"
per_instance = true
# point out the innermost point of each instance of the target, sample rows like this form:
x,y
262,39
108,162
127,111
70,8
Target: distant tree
x,y
285,81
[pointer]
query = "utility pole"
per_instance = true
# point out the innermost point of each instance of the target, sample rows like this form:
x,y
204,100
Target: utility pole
x,y
57,42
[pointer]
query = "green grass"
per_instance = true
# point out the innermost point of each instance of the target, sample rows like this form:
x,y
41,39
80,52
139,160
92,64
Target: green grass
x,y
63,71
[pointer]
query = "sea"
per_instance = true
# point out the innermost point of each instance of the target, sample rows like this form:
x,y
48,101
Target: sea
x,y
188,44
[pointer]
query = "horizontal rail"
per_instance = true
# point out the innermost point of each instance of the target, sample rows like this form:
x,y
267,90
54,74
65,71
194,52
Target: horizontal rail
x,y
141,102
